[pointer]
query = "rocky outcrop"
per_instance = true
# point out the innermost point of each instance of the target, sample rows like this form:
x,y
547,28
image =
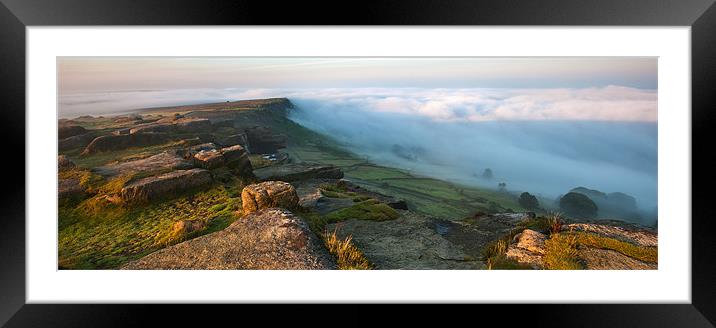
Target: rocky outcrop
x,y
168,160
269,239
295,172
165,184
528,248
66,131
70,189
183,228
407,243
119,142
209,159
237,159
234,139
263,141
268,194
64,163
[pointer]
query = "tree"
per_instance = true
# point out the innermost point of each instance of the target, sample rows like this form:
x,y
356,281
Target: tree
x,y
578,205
502,186
528,201
487,174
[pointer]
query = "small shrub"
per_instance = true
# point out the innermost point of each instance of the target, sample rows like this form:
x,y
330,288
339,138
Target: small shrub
x,y
554,221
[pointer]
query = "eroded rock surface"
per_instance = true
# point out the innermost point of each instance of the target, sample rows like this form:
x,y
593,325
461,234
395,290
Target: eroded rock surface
x,y
409,242
528,248
64,163
268,194
162,161
294,172
268,239
165,184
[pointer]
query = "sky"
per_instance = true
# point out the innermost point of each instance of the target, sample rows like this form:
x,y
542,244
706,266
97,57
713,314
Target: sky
x,y
474,88
88,74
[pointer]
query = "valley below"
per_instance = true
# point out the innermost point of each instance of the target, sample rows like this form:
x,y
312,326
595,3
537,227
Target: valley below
x,y
240,185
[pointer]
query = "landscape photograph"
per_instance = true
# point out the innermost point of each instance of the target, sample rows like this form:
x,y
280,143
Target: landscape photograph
x,y
357,163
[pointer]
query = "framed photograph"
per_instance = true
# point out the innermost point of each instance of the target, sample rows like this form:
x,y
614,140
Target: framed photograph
x,y
457,152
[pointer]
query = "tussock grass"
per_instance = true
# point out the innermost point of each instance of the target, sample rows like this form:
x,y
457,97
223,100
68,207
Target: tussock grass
x,y
555,221
348,256
561,253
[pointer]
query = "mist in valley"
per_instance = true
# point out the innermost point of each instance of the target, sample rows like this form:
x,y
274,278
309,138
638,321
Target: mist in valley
x,y
456,139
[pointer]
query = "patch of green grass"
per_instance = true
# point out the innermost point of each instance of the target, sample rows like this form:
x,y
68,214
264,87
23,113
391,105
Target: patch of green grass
x,y
110,237
642,253
561,253
366,210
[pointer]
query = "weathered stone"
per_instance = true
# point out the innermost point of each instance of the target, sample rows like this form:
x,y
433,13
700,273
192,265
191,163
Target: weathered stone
x,y
69,189
64,163
268,194
164,185
119,142
270,239
66,131
235,139
529,248
237,159
295,172
406,243
122,131
605,259
183,228
209,159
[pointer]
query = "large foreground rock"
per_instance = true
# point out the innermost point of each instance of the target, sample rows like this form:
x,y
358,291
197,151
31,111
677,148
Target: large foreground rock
x,y
269,239
119,142
268,194
295,172
166,184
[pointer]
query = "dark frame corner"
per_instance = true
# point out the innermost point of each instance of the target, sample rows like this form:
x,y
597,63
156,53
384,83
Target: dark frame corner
x,y
16,15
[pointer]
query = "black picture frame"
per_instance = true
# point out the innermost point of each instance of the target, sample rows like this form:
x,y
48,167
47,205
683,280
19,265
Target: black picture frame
x,y
700,15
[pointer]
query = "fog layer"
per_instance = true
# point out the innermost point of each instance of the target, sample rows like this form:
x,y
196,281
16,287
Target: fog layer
x,y
457,138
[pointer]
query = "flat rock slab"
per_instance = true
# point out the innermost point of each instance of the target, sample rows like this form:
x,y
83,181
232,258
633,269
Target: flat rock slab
x,y
161,161
409,242
604,259
295,172
270,239
528,248
165,184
